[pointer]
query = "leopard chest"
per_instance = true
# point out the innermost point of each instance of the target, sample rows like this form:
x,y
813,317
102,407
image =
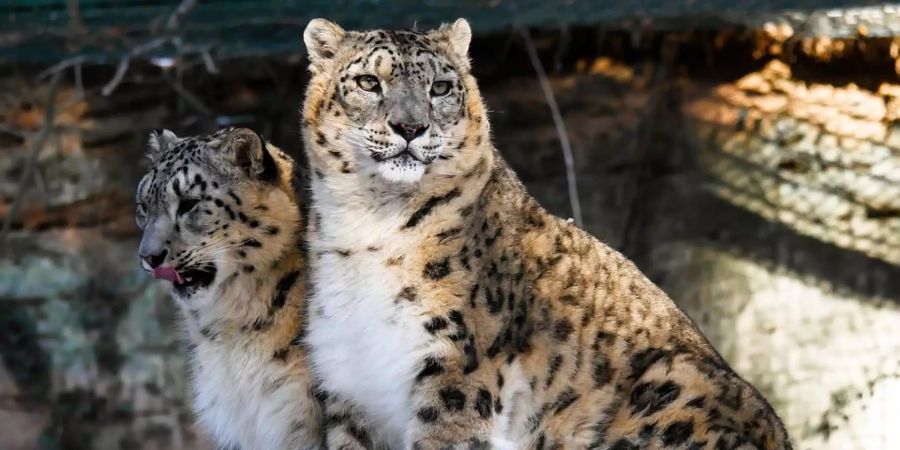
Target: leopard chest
x,y
243,397
365,340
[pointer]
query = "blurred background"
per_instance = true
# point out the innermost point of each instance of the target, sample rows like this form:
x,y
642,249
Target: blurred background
x,y
746,154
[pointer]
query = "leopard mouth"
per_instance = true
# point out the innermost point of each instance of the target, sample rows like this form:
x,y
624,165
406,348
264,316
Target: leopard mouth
x,y
195,278
404,156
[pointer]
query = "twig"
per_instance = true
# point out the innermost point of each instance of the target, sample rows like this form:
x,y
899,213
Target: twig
x,y
209,62
122,69
558,122
62,65
180,12
38,144
79,80
79,90
75,23
188,96
172,24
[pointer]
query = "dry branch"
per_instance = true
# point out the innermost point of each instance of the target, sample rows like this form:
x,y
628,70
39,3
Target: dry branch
x,y
559,123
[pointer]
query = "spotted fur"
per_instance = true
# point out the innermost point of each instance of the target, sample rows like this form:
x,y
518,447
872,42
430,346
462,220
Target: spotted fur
x,y
450,310
221,211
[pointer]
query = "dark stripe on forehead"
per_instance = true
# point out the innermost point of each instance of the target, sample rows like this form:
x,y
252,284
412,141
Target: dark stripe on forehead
x,y
177,159
425,51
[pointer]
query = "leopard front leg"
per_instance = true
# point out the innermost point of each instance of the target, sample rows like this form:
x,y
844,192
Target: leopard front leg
x,y
453,397
345,427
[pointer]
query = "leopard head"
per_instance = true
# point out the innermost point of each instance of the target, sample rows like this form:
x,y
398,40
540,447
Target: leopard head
x,y
391,104
212,208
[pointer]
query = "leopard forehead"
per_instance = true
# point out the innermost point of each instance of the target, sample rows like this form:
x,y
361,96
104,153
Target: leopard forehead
x,y
191,150
188,157
397,54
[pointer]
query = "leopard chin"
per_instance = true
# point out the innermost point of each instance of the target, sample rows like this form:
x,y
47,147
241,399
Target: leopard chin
x,y
403,168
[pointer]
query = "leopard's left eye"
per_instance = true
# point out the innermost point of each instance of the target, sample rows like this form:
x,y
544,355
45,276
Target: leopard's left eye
x,y
368,83
186,205
439,88
140,214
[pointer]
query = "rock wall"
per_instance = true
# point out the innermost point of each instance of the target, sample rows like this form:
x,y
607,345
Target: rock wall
x,y
766,206
91,353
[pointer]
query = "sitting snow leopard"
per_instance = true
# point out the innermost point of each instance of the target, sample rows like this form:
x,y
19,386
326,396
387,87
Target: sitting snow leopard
x,y
220,220
450,310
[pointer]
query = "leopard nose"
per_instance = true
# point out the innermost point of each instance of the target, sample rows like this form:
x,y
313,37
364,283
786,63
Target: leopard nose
x,y
409,131
156,260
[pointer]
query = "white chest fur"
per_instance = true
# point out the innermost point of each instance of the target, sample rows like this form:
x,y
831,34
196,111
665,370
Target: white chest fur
x,y
243,398
365,344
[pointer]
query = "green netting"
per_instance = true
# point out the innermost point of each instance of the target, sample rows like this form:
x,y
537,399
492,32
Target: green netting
x,y
41,31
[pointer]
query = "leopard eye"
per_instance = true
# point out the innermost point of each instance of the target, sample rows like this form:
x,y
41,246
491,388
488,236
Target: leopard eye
x,y
368,83
440,88
140,215
186,205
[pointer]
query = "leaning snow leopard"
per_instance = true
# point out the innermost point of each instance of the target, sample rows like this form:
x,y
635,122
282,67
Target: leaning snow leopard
x,y
220,220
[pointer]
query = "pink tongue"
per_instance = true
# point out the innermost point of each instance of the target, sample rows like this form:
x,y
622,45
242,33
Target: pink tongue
x,y
169,274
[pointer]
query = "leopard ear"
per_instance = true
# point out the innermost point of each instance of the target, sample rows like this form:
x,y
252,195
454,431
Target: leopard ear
x,y
159,142
457,37
322,39
460,36
246,150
